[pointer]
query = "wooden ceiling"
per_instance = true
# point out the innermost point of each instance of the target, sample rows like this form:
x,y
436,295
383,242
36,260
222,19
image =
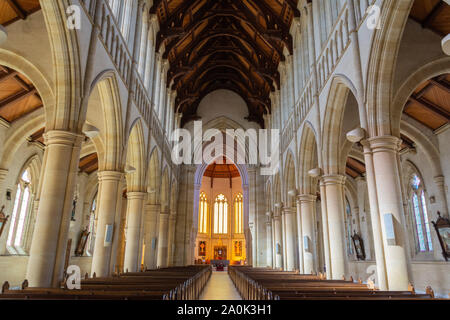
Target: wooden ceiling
x,y
224,44
13,10
432,14
355,168
430,102
18,96
222,170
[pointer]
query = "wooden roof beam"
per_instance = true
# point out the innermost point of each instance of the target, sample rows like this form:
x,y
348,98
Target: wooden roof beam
x,y
17,97
17,9
437,110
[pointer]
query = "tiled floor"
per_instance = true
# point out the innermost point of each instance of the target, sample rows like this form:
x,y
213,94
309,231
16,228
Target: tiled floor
x,y
220,287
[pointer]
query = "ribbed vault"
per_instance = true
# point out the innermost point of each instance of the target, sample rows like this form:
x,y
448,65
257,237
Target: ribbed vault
x,y
224,44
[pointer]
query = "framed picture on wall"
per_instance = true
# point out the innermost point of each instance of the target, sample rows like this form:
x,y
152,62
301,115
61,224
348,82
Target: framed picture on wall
x,y
202,248
82,243
3,220
442,226
359,247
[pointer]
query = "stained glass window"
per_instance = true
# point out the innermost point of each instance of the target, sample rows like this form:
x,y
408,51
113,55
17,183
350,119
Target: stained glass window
x,y
20,215
221,215
203,214
420,212
238,214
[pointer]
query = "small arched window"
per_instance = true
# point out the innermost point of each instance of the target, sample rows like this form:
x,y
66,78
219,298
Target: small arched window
x,y
239,214
20,215
221,215
203,214
420,212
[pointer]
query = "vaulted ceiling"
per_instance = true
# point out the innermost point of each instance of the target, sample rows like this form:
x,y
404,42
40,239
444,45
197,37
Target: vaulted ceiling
x,y
224,44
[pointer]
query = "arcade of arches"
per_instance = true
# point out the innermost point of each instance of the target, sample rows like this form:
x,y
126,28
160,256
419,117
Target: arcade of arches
x,y
86,117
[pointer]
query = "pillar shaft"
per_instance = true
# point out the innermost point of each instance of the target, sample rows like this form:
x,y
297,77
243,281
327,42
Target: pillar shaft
x,y
387,178
46,262
334,189
151,235
307,204
269,243
300,238
278,241
108,204
134,227
290,238
163,238
171,238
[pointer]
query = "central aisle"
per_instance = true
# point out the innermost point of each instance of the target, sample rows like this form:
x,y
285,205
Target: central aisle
x,y
220,287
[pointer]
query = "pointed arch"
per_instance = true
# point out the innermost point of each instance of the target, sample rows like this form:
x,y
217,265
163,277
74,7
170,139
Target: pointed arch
x,y
308,160
154,177
135,158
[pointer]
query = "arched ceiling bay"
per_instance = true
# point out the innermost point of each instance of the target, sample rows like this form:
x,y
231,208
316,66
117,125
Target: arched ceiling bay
x,y
224,44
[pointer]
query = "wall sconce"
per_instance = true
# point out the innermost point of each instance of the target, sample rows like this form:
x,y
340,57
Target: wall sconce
x,y
129,169
3,35
446,45
90,131
356,135
314,173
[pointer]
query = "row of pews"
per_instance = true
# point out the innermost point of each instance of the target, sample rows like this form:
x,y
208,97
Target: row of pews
x,y
178,283
268,284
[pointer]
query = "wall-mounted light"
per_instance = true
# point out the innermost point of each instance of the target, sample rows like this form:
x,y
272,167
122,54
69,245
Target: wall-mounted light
x,y
3,35
90,131
129,169
356,135
314,173
446,45
292,193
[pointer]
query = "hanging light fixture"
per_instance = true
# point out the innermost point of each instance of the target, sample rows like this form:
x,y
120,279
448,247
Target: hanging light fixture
x,y
3,35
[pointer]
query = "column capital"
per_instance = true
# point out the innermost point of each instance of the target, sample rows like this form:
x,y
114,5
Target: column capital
x,y
306,198
110,175
136,195
63,138
439,180
152,207
385,144
3,174
333,179
289,210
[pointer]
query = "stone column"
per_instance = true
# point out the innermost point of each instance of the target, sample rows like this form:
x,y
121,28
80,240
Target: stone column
x,y
278,239
307,203
334,188
290,238
300,238
442,198
163,238
46,262
151,232
108,205
171,243
135,202
269,239
387,178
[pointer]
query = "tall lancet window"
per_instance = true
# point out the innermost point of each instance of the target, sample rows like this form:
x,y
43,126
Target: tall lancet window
x,y
348,214
203,214
221,215
419,209
239,214
20,215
